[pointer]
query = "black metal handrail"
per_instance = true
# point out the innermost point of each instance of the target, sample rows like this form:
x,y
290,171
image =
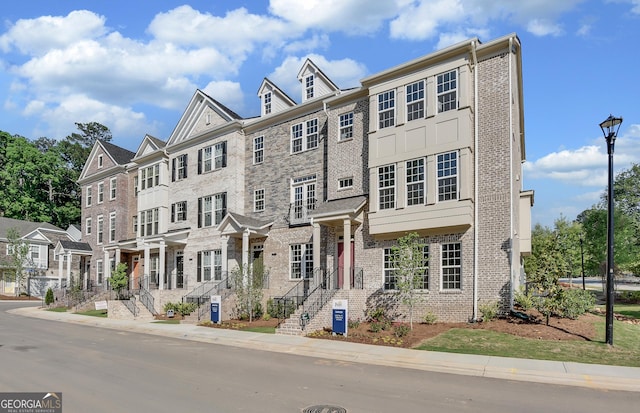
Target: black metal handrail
x,y
317,299
129,300
145,296
295,297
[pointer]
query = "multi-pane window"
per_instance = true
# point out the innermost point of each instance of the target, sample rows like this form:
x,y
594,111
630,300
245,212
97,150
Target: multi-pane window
x,y
100,192
179,167
150,176
149,222
303,193
212,158
346,126
304,136
134,219
258,200
447,166
386,109
415,101
267,103
179,211
387,187
258,150
89,196
99,272
308,86
211,209
345,183
100,229
451,266
36,258
301,261
135,185
112,188
87,226
391,271
447,91
415,182
112,227
209,265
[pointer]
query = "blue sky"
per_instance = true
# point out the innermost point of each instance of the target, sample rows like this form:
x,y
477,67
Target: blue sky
x,y
134,69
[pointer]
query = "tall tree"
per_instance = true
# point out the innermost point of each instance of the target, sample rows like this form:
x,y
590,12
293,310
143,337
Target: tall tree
x,y
409,265
75,148
17,254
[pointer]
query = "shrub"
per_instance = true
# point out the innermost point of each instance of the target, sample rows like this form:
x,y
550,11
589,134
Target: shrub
x,y
401,330
279,310
630,297
354,323
523,299
48,298
183,309
377,314
489,311
429,318
375,327
574,303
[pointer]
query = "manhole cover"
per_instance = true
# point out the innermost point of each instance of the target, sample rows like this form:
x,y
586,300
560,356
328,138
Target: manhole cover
x,y
324,409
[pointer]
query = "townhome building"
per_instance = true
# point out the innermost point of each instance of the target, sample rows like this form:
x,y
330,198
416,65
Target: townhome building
x,y
318,193
44,264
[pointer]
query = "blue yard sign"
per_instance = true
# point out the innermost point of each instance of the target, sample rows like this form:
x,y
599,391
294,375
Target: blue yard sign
x,y
340,317
216,302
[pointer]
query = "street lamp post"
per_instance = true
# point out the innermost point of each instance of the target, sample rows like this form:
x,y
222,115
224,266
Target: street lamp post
x,y
610,127
582,260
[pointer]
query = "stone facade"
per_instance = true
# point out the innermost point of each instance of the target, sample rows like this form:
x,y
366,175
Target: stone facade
x,y
303,180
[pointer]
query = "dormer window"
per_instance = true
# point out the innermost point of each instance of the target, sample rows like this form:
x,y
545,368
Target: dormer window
x,y
267,103
308,84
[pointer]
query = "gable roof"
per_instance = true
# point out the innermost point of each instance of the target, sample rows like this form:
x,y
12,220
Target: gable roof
x,y
191,122
119,155
308,65
149,144
266,83
24,228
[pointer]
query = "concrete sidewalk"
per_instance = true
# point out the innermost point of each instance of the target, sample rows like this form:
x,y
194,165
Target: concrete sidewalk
x,y
541,371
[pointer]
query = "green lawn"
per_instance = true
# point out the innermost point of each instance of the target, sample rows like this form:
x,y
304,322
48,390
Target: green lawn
x,y
267,330
58,309
625,352
94,313
167,322
629,310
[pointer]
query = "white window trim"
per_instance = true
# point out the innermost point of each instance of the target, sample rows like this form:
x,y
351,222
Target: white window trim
x,y
113,182
423,182
100,229
345,122
89,195
305,136
259,150
455,90
112,227
393,187
442,267
305,258
87,226
256,200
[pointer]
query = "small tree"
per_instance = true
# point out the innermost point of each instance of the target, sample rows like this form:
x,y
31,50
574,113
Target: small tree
x,y
248,282
410,265
48,298
119,278
18,252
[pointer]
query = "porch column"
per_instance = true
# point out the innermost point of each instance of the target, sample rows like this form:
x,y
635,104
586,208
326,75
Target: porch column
x,y
346,284
106,267
162,265
147,265
117,256
245,254
225,254
60,264
316,245
68,259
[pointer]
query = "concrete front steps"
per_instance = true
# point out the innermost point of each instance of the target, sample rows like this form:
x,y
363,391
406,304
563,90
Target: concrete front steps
x,y
322,319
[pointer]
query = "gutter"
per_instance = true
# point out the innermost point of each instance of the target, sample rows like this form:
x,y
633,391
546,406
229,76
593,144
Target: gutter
x,y
476,139
511,207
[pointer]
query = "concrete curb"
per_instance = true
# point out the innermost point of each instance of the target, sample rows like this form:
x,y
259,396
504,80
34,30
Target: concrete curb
x,y
593,376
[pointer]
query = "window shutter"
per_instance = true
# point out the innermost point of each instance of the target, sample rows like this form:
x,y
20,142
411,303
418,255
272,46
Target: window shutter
x,y
199,212
173,170
185,167
199,274
199,161
184,210
224,154
173,212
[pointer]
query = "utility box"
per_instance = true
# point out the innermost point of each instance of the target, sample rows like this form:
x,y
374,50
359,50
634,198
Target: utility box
x,y
170,314
340,315
216,303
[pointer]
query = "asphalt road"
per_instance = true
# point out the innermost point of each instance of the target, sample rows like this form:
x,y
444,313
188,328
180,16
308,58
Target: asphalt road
x,y
100,370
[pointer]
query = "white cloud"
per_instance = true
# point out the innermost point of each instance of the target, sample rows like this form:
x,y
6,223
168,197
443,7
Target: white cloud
x,y
37,36
352,16
228,93
542,27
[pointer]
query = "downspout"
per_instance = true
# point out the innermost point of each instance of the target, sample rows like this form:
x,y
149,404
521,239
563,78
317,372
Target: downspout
x,y
475,180
510,176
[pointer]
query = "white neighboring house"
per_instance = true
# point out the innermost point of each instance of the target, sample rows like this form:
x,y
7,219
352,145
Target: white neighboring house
x,y
43,267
